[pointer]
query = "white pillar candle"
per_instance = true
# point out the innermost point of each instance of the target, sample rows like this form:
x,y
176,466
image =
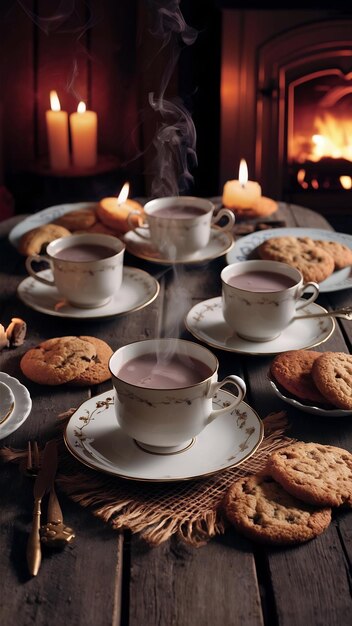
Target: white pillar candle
x,y
84,125
57,130
241,193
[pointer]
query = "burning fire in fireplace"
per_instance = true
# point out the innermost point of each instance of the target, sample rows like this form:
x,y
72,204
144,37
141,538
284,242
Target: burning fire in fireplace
x,y
320,136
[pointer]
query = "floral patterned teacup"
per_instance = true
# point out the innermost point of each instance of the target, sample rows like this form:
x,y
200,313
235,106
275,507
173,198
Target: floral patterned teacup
x,y
180,226
87,268
260,298
164,390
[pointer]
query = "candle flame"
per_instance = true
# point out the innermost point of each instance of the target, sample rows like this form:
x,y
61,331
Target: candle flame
x,y
81,107
54,101
346,182
123,195
243,173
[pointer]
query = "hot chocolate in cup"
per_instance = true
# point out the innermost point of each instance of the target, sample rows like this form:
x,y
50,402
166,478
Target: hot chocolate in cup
x,y
180,226
87,269
260,298
164,390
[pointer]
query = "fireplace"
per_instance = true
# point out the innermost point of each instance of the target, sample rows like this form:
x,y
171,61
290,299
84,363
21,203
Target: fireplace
x,y
286,102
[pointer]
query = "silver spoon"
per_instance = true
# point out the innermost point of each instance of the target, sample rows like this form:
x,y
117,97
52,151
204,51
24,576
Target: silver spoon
x,y
345,313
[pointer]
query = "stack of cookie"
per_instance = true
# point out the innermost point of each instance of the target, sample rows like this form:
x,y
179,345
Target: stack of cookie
x,y
80,361
315,259
290,502
323,379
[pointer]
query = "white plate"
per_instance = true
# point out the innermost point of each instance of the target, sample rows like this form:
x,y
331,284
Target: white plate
x,y
206,322
307,408
44,217
22,407
219,244
94,437
138,289
341,279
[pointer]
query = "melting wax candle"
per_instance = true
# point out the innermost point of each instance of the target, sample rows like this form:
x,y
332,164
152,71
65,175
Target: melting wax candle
x,y
241,193
114,212
57,130
84,128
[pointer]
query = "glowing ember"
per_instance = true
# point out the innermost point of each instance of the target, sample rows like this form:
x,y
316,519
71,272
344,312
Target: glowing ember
x,y
346,182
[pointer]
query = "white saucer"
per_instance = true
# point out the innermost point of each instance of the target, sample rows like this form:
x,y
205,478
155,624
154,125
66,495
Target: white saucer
x,y
22,405
307,408
138,289
94,437
206,322
219,244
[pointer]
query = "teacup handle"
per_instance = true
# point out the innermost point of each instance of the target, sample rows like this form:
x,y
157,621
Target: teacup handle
x,y
38,258
230,219
312,298
141,225
241,391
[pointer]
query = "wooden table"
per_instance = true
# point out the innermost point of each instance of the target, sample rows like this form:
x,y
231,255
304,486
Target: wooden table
x,y
112,578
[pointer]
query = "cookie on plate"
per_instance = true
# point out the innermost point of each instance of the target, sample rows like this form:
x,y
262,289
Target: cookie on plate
x,y
57,361
34,240
262,510
293,371
314,263
332,374
98,370
80,219
341,254
317,474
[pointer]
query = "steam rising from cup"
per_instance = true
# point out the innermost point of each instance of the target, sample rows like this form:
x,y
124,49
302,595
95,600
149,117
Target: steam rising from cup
x,y
175,139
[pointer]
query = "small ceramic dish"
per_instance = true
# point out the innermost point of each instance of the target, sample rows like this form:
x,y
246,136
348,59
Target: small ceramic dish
x,y
22,405
307,408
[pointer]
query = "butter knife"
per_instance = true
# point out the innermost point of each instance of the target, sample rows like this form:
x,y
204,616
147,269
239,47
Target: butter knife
x,y
42,483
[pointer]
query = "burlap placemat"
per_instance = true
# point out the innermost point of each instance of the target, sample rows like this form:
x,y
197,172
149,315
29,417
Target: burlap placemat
x,y
192,509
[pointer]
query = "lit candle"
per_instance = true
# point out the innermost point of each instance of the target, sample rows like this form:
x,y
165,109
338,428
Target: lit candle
x,y
57,130
83,125
113,212
241,193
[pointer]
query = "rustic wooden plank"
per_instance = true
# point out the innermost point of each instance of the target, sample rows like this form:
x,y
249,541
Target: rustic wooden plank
x,y
78,583
319,567
177,584
67,580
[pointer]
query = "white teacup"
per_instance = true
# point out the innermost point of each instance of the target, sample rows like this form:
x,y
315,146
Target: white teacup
x,y
164,390
259,298
87,268
180,225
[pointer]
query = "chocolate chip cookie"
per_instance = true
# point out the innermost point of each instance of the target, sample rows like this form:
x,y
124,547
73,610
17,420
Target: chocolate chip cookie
x,y
314,263
332,374
262,510
317,474
57,361
293,371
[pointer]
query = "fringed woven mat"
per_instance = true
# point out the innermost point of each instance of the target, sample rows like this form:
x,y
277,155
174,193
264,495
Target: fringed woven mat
x,y
192,509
